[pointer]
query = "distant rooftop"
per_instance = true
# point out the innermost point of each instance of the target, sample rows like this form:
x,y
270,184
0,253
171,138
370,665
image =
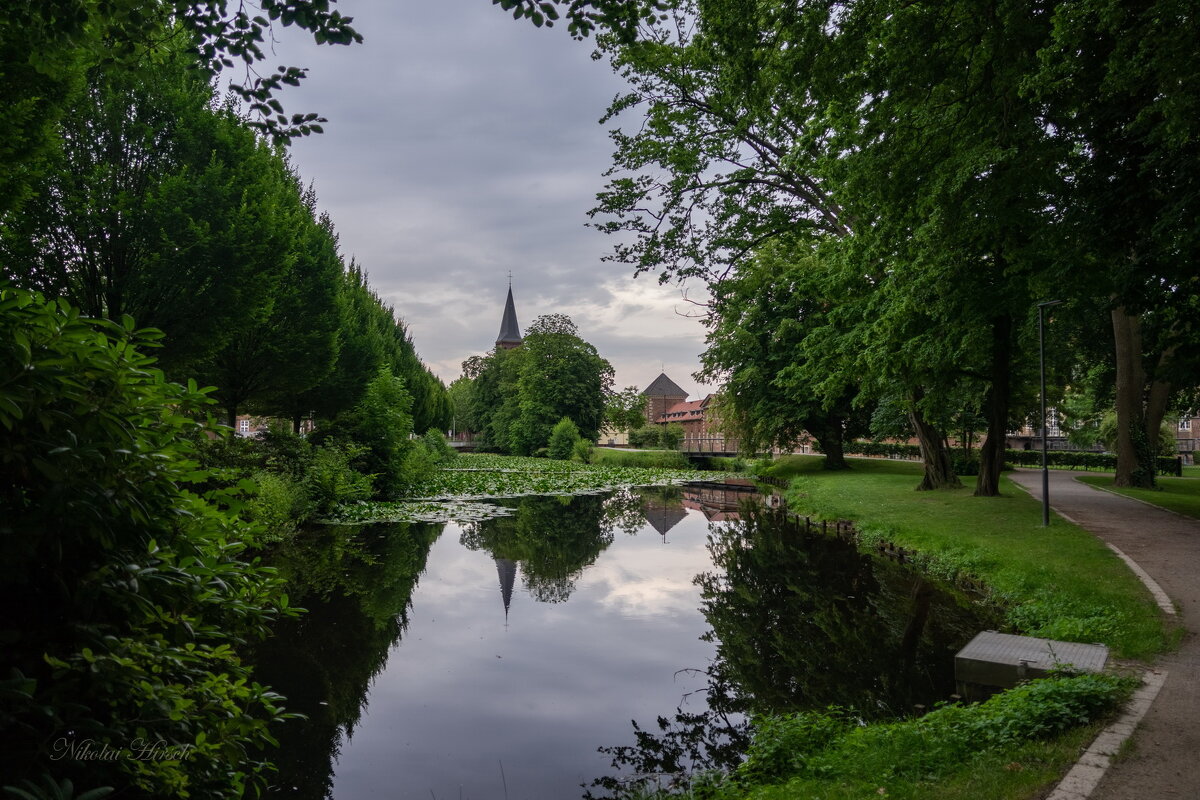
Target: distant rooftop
x,y
662,386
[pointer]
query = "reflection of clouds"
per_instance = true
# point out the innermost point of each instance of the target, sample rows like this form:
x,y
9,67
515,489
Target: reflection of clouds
x,y
463,691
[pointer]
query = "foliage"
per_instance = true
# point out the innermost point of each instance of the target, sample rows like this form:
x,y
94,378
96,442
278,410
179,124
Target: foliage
x,y
518,395
329,478
582,451
438,448
671,436
1082,459
827,748
135,590
562,439
279,505
647,436
380,426
625,410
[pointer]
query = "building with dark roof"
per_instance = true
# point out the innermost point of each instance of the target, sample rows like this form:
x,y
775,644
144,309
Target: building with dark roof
x,y
661,394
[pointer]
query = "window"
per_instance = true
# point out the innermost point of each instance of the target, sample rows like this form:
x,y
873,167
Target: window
x,y
244,425
1185,424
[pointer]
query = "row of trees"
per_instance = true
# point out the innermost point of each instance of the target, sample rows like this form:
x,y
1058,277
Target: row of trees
x,y
165,206
512,399
879,194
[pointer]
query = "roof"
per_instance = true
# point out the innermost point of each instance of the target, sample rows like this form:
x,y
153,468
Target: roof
x,y
691,409
662,386
510,332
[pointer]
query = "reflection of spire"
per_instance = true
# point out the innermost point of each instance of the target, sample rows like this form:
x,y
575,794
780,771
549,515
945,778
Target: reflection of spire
x,y
507,570
661,515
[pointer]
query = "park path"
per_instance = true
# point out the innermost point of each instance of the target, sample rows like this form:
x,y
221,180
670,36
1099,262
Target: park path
x,y
1165,762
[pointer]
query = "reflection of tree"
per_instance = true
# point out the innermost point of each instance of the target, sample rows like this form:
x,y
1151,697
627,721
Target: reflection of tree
x,y
802,621
552,539
356,584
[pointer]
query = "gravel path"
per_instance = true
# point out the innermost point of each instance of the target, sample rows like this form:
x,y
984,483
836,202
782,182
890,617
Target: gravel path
x,y
1165,761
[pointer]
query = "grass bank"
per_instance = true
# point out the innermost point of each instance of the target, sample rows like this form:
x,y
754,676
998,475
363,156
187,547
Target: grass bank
x,y
1007,748
1058,582
1181,495
664,459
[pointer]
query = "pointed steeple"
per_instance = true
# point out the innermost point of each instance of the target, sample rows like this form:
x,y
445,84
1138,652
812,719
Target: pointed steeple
x,y
510,332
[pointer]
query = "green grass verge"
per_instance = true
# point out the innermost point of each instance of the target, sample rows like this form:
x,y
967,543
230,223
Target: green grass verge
x,y
668,459
1181,495
1058,582
1007,747
1191,472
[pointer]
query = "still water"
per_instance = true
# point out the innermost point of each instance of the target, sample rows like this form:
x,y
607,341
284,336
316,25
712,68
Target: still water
x,y
513,658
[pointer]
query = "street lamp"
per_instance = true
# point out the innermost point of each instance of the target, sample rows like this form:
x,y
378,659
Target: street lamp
x,y
1041,307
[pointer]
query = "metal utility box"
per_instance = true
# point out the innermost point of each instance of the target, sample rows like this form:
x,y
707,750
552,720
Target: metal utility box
x,y
993,661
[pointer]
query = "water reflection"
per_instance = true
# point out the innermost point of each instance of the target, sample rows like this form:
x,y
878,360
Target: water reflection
x,y
357,583
493,661
801,621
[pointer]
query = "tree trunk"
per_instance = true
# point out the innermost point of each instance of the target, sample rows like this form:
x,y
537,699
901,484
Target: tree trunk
x,y
828,433
935,455
991,455
232,411
1135,452
296,420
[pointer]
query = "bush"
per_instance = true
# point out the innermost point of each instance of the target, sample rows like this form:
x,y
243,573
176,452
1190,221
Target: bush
x,y
277,508
562,439
438,448
132,591
380,427
647,437
330,479
671,436
582,451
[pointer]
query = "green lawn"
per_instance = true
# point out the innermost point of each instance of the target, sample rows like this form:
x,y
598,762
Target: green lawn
x,y
1058,582
1181,495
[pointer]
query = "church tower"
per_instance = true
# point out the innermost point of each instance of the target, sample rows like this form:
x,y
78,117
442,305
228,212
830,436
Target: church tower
x,y
510,332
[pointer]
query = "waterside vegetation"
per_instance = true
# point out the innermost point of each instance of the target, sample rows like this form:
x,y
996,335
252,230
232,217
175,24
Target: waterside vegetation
x,y
1059,582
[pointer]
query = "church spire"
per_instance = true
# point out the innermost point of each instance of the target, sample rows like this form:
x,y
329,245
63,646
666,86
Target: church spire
x,y
510,332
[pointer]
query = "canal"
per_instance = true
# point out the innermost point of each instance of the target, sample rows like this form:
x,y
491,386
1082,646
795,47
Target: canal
x,y
580,641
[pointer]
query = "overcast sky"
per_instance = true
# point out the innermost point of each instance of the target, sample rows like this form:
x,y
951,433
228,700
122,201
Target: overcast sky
x,y
462,145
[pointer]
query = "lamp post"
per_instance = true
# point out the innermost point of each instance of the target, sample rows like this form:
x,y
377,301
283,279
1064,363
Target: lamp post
x,y
1041,307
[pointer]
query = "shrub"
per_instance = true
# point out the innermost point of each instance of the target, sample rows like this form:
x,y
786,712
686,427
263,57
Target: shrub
x,y
277,508
671,436
437,446
330,479
582,451
132,591
646,437
562,439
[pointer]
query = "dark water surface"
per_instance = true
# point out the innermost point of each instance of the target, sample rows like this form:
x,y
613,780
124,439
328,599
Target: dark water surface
x,y
494,660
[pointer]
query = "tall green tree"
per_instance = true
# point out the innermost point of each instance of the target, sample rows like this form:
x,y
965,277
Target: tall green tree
x,y
563,376
625,410
1119,85
158,206
758,327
